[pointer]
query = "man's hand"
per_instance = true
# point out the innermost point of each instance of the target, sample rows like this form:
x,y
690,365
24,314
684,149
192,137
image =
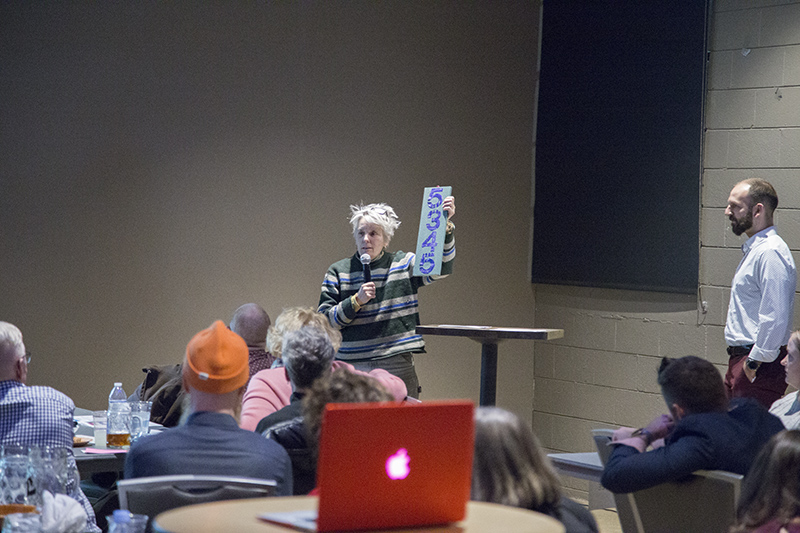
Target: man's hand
x,y
622,434
750,374
660,427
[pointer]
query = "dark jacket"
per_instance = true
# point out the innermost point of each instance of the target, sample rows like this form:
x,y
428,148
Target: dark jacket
x,y
727,440
162,385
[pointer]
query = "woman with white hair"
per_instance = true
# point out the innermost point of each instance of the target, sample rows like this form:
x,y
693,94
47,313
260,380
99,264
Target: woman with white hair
x,y
378,318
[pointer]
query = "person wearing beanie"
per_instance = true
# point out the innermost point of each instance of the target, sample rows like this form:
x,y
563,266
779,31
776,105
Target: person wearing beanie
x,y
215,374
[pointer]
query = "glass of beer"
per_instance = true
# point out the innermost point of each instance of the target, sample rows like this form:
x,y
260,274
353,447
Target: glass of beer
x,y
119,425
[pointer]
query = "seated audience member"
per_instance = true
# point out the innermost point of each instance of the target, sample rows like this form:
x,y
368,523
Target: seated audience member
x,y
703,431
788,407
30,416
770,497
251,323
342,386
215,372
307,356
163,384
270,390
510,468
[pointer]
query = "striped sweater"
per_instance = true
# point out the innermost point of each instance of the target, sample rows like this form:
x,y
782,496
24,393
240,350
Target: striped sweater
x,y
386,325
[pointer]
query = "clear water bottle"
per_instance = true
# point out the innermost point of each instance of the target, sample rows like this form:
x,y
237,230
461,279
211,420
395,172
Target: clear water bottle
x,y
122,521
119,521
119,418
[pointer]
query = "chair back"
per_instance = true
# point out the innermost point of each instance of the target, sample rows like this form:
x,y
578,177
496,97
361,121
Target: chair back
x,y
704,502
154,495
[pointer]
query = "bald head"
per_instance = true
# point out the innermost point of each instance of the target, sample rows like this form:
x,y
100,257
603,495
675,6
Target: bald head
x,y
12,354
251,323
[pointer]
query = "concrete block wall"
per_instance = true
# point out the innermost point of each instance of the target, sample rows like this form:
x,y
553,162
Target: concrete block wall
x,y
602,373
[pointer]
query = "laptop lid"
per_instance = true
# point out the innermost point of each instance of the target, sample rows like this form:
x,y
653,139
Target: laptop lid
x,y
387,465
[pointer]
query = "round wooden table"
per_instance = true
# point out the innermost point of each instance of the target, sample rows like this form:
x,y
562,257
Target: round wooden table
x,y
241,516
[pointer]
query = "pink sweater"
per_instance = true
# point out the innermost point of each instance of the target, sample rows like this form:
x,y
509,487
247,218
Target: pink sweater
x,y
269,390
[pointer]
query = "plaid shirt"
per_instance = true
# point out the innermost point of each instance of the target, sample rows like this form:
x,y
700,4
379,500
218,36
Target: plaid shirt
x,y
39,416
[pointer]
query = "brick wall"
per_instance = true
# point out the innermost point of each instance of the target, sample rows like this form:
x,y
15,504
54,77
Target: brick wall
x,y
602,374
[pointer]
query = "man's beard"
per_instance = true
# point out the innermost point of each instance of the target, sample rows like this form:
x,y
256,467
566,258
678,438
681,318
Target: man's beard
x,y
743,224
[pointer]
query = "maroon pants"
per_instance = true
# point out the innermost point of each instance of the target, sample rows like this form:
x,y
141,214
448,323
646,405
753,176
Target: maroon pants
x,y
769,385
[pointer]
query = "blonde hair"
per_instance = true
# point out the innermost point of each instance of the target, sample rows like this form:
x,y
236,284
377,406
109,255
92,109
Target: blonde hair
x,y
294,318
509,466
379,214
795,339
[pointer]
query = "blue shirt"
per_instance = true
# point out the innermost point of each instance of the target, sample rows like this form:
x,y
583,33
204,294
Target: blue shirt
x,y
761,307
40,416
212,444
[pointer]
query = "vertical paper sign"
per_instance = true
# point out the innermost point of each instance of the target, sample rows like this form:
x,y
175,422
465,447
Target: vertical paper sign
x,y
432,227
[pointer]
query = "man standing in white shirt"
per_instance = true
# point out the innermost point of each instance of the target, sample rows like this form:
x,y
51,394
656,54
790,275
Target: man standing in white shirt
x,y
761,307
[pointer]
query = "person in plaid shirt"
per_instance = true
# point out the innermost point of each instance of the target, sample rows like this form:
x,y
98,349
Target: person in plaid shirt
x,y
34,415
251,323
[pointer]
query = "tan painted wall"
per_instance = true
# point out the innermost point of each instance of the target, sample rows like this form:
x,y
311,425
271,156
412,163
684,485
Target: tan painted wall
x,y
602,373
164,163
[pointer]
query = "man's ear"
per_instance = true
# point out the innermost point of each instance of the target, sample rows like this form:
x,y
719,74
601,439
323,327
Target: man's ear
x,y
19,368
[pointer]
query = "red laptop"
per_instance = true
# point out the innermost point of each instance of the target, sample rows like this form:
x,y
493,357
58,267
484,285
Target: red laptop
x,y
389,466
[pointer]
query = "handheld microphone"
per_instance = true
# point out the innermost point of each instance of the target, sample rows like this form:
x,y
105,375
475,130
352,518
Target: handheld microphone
x,y
365,259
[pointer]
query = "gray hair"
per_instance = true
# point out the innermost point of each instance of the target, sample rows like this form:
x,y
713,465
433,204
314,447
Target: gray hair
x,y
307,355
379,214
11,338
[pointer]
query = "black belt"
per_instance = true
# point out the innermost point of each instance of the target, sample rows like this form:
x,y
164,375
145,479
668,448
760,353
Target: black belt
x,y
736,351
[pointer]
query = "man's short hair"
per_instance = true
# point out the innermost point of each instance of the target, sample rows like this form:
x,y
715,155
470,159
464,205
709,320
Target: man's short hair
x,y
762,192
692,383
11,340
251,323
307,355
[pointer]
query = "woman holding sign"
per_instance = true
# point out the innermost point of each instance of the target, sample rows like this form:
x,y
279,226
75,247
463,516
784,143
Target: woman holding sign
x,y
372,295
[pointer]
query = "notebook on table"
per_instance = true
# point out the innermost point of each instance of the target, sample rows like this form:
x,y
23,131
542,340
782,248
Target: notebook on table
x,y
387,466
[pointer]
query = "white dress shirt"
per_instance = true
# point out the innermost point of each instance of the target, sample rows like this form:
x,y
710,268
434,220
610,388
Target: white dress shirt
x,y
761,308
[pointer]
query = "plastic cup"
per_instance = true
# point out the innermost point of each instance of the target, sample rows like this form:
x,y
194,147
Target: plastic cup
x,y
140,419
14,475
100,423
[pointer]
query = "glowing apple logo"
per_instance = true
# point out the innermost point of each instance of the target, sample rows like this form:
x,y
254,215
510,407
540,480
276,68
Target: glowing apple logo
x,y
397,465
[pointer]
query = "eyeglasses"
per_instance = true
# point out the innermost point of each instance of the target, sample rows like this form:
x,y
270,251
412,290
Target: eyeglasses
x,y
28,357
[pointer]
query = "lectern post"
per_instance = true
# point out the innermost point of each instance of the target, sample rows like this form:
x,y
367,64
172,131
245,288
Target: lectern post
x,y
489,336
488,372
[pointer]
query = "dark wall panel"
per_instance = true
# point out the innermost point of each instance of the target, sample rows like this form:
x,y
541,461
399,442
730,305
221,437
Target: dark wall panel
x,y
619,144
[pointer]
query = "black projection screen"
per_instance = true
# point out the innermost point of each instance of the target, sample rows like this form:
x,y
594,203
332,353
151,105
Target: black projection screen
x,y
619,144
